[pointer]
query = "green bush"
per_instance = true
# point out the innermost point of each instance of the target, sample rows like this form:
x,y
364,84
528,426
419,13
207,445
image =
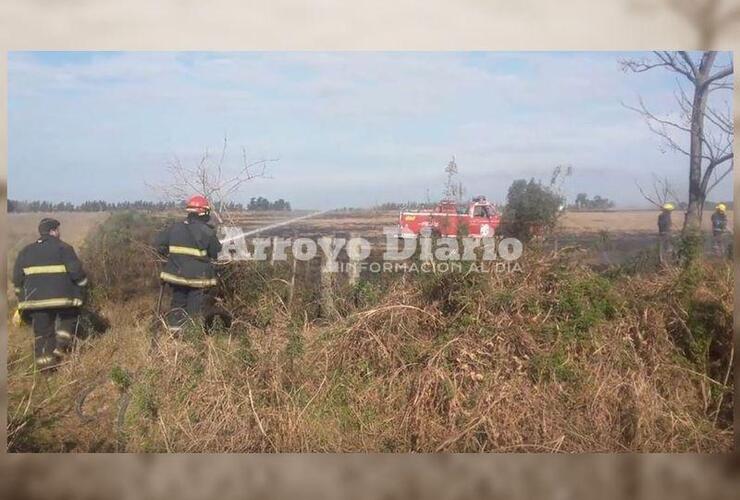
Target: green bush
x,y
119,258
583,303
530,207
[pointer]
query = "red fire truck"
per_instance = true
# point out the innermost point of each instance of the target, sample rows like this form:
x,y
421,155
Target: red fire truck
x,y
479,218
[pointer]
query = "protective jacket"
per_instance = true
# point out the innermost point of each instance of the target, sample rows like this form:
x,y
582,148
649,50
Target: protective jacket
x,y
48,275
719,222
190,247
664,222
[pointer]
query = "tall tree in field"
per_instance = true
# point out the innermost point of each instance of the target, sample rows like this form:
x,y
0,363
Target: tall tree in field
x,y
709,129
452,189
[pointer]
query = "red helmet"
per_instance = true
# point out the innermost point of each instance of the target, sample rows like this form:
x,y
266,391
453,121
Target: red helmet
x,y
198,204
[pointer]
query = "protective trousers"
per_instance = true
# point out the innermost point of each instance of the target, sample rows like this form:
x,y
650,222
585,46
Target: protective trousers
x,y
54,331
187,303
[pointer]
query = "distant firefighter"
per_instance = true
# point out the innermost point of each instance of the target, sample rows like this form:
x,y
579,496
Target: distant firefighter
x,y
719,229
665,248
49,282
190,246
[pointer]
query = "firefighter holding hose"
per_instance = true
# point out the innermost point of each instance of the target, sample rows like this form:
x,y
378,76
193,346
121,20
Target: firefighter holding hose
x,y
191,246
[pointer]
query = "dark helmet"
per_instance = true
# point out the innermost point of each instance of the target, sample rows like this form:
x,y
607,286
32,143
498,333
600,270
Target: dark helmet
x,y
48,224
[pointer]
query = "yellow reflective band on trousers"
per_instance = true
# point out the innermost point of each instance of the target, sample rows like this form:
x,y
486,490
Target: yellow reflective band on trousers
x,y
45,360
17,318
191,282
195,252
45,269
49,303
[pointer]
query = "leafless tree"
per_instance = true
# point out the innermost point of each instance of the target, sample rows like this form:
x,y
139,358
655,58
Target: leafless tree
x,y
558,176
212,178
452,189
709,18
710,130
661,193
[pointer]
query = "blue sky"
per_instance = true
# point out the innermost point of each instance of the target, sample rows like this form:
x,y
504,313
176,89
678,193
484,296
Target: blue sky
x,y
348,128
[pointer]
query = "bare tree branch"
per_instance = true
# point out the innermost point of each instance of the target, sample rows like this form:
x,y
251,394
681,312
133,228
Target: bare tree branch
x,y
665,59
660,126
689,62
722,120
719,177
212,178
663,192
719,75
672,62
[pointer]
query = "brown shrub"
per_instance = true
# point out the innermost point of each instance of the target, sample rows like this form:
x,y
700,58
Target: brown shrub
x,y
556,358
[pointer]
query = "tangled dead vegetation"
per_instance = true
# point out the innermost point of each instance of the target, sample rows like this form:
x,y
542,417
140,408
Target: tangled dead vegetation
x,y
557,358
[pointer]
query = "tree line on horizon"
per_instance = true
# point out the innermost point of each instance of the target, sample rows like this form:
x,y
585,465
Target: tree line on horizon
x,y
408,205
90,206
260,203
583,202
20,206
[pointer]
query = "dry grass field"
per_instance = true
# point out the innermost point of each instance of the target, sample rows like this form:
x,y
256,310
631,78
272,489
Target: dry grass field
x,y
369,223
629,232
558,358
611,237
624,221
75,226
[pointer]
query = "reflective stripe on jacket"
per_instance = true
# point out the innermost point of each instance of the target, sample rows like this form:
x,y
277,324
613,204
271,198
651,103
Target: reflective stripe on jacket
x,y
196,252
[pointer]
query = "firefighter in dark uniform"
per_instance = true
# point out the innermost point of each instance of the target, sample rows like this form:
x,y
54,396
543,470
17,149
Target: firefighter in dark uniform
x,y
719,228
49,282
190,246
665,248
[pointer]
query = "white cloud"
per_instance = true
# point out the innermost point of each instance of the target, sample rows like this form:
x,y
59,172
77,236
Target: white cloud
x,y
379,123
